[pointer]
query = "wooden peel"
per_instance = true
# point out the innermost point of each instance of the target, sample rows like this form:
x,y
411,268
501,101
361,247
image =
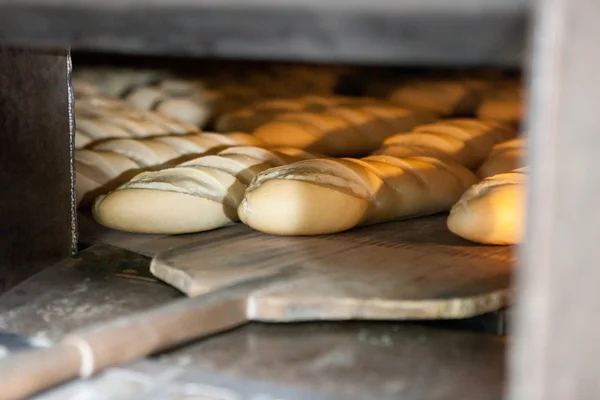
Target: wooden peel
x,y
413,269
85,352
404,270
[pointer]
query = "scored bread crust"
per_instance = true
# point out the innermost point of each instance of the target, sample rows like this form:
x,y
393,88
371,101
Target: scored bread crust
x,y
466,141
111,163
323,196
145,152
198,195
250,118
505,106
492,211
504,157
99,118
340,131
185,106
95,171
442,97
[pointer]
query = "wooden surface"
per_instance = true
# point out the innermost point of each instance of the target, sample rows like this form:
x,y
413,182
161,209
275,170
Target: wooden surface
x,y
413,269
368,359
92,233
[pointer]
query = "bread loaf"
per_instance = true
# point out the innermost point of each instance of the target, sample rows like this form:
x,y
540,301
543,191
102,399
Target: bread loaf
x,y
465,141
248,119
340,131
323,196
444,98
97,171
504,157
198,195
99,118
492,211
113,82
110,163
505,105
179,99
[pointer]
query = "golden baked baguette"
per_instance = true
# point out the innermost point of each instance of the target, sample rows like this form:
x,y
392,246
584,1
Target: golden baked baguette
x,y
323,196
110,163
504,157
99,118
159,150
179,99
466,141
97,171
492,211
114,81
443,97
249,118
198,195
505,105
340,131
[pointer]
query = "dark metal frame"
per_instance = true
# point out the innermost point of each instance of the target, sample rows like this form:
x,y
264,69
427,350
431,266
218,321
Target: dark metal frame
x,y
37,225
378,32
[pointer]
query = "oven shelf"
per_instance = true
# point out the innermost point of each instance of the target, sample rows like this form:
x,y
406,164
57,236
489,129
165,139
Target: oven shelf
x,y
432,32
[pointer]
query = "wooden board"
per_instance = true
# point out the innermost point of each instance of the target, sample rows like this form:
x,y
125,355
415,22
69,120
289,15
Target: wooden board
x,y
414,269
91,233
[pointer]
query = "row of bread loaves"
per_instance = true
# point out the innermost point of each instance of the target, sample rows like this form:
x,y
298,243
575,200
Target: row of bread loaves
x,y
108,164
99,118
197,195
359,192
421,172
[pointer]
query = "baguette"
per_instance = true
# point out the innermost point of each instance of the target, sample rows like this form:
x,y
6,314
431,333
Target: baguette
x,y
324,196
114,82
340,131
198,195
109,164
465,141
504,157
98,118
492,211
250,118
444,98
96,171
505,106
177,99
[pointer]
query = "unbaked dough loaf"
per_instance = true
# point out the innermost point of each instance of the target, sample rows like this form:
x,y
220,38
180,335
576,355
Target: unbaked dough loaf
x,y
492,211
99,118
179,99
115,81
505,157
340,131
110,163
198,195
466,141
98,171
323,196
